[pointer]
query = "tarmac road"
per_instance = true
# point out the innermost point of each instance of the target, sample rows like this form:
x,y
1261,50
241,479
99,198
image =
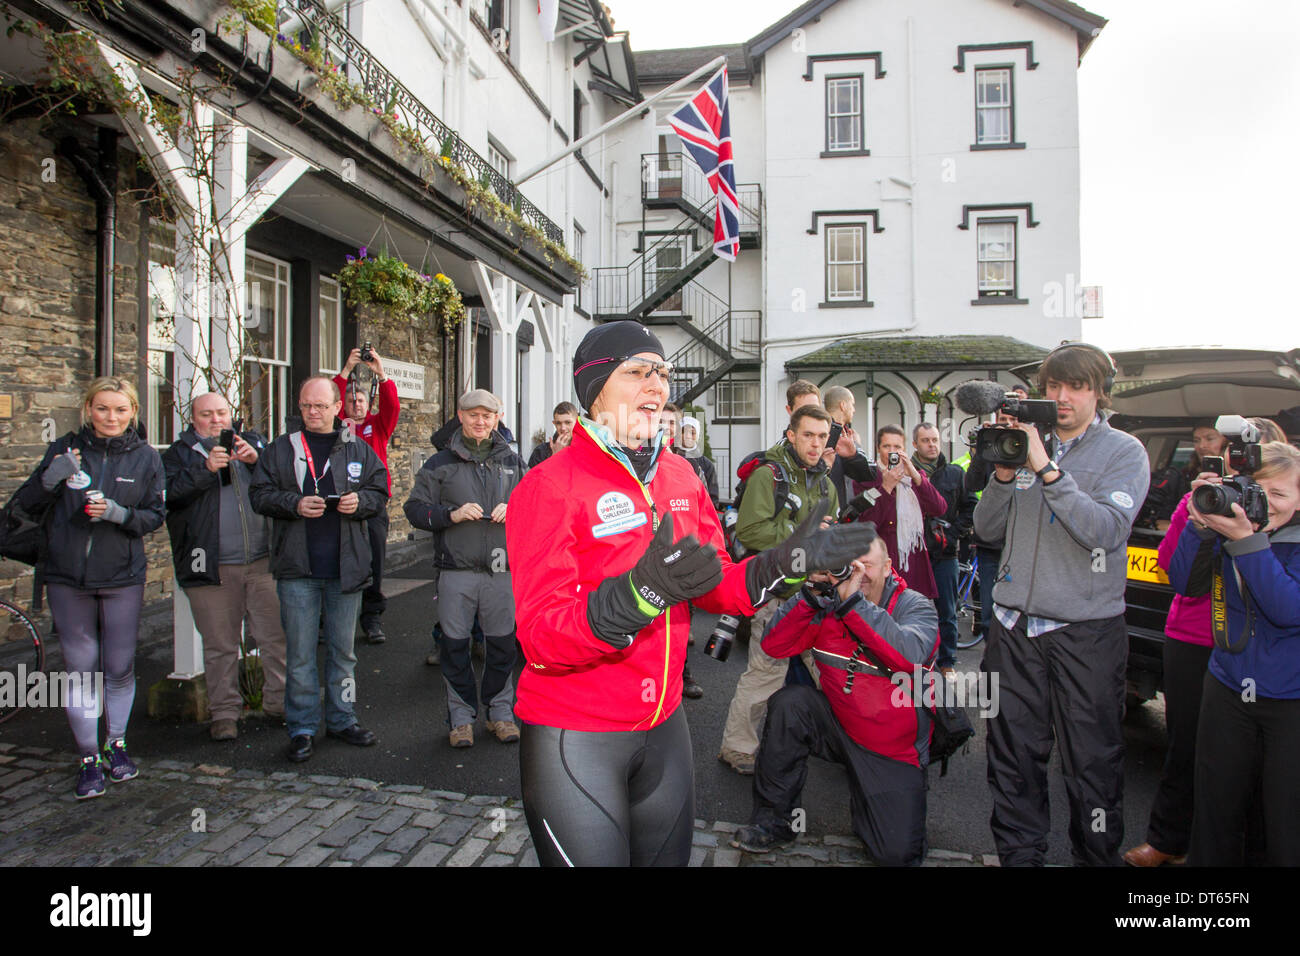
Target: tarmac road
x,y
402,700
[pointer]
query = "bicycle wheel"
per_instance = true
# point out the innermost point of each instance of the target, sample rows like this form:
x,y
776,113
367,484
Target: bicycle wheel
x,y
968,606
22,652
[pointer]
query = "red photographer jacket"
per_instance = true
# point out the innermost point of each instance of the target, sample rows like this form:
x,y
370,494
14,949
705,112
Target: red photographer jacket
x,y
379,426
879,713
578,518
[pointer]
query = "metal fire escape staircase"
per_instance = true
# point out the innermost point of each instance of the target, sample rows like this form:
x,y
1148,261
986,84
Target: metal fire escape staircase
x,y
658,287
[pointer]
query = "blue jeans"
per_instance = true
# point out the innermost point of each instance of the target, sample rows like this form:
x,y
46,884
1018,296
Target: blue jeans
x,y
301,602
989,560
945,581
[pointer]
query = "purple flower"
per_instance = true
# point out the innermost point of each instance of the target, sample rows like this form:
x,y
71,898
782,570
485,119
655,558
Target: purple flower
x,y
363,252
351,258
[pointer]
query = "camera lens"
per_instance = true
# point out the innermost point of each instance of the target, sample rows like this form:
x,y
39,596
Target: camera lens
x,y
1215,499
724,632
1009,445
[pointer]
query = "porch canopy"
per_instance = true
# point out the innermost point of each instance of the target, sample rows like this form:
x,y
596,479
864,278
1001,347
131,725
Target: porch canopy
x,y
917,353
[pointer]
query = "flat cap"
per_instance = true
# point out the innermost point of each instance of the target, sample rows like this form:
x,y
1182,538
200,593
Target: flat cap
x,y
479,398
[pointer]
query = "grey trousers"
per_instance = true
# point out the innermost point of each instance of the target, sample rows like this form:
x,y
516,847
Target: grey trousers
x,y
462,595
764,676
219,611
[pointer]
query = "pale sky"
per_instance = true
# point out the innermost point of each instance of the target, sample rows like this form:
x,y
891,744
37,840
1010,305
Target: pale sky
x,y
1190,154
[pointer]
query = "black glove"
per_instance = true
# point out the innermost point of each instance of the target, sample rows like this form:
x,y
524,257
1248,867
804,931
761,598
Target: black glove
x,y
667,574
810,548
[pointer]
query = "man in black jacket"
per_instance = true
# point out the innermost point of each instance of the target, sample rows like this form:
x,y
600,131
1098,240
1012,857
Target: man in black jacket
x,y
941,543
849,463
460,495
319,488
564,418
220,550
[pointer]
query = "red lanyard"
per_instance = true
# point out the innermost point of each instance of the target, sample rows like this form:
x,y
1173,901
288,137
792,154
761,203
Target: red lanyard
x,y
311,465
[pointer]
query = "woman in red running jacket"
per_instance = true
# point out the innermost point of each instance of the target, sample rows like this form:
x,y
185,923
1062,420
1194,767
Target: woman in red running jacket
x,y
607,540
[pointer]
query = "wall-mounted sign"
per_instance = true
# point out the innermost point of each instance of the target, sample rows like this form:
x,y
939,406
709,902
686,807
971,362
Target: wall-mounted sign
x,y
408,377
6,406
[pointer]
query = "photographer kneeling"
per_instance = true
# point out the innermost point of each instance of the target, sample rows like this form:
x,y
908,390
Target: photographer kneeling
x,y
871,619
1248,737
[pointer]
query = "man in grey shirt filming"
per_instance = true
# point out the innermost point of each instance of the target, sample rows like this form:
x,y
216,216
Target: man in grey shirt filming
x,y
1057,640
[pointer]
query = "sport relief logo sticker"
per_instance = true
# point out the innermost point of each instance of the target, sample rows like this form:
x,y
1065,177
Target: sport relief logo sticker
x,y
1121,498
617,514
1024,478
78,481
354,469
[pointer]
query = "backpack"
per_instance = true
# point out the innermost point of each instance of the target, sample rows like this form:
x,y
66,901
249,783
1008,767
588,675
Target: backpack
x,y
781,484
22,533
780,498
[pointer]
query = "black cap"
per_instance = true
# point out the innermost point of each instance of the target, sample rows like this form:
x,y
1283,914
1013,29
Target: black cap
x,y
602,349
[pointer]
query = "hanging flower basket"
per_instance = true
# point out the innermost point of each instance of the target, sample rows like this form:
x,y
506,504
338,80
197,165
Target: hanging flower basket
x,y
400,292
931,396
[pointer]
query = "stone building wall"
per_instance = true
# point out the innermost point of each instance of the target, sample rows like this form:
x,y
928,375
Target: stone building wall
x,y
420,418
47,308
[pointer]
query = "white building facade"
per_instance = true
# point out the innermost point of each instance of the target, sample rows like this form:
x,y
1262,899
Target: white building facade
x,y
916,202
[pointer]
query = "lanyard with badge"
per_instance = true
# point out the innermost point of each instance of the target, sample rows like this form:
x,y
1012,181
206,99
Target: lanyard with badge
x,y
311,465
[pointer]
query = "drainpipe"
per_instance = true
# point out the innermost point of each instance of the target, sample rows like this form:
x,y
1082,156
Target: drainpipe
x,y
101,183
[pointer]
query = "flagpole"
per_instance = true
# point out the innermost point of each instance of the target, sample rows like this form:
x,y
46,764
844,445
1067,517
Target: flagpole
x,y
712,65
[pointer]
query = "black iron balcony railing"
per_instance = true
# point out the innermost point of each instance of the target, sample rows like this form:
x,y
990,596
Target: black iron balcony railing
x,y
675,178
671,260
384,88
722,342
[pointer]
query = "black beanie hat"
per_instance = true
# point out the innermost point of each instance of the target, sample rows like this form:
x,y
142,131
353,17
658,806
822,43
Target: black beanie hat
x,y
593,362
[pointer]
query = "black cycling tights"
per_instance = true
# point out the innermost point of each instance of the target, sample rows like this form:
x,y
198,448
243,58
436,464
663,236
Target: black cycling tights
x,y
609,799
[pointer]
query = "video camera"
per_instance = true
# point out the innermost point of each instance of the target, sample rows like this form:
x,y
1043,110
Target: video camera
x,y
1245,457
1002,444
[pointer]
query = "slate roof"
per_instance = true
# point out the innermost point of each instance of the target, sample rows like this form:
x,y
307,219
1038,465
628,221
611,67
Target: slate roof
x,y
661,67
920,352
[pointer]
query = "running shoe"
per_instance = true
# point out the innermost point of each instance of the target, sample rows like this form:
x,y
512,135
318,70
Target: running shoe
x,y
90,778
121,767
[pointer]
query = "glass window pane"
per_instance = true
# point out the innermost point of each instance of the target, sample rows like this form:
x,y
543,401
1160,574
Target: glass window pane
x,y
844,133
331,326
846,278
993,88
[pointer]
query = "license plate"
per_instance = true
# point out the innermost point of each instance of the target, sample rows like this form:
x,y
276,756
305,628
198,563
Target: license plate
x,y
1142,566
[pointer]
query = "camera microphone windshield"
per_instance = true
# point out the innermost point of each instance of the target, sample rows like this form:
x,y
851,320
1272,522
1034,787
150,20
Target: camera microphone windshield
x,y
980,397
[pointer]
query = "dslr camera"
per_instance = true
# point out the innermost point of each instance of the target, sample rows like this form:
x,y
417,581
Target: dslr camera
x,y
1005,444
1244,455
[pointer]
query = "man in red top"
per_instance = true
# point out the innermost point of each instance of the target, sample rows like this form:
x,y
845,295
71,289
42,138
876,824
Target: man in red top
x,y
862,633
374,426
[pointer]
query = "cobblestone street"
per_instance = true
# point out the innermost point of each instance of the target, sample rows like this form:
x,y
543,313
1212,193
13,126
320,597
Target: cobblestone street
x,y
178,814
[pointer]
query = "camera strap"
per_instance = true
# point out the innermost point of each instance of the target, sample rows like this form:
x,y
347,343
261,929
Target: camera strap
x,y
1219,611
354,379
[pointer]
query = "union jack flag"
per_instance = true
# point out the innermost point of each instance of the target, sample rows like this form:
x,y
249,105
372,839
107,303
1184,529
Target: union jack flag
x,y
704,125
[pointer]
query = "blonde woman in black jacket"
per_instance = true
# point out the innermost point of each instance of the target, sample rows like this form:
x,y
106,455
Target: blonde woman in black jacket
x,y
104,488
